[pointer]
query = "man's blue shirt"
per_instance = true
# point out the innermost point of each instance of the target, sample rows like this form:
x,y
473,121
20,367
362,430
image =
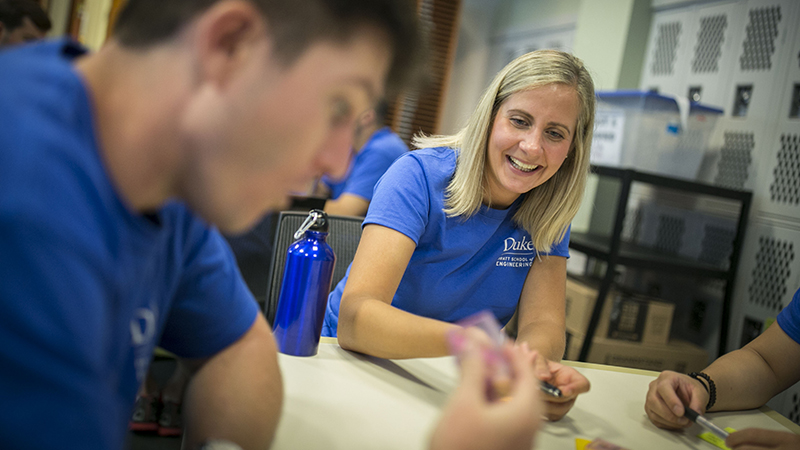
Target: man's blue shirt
x,y
90,286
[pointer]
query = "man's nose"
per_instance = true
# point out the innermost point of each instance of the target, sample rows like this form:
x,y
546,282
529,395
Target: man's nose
x,y
334,157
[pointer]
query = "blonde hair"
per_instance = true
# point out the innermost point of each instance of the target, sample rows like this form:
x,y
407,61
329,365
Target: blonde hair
x,y
546,210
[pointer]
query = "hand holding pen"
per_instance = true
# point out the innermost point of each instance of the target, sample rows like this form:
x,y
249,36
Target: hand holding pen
x,y
562,384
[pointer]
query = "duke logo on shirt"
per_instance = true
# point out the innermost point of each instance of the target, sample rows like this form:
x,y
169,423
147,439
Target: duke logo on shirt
x,y
516,253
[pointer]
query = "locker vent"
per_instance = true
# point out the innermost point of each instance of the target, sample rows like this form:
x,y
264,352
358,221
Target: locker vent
x,y
666,46
735,160
670,234
709,44
759,43
717,245
632,225
794,410
771,272
785,186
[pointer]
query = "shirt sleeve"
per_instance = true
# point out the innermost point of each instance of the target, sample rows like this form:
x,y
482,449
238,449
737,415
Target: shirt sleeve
x,y
789,318
402,199
213,306
561,248
367,172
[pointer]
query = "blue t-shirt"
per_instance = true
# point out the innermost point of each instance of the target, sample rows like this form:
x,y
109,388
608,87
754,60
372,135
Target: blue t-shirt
x,y
89,287
789,318
459,266
382,149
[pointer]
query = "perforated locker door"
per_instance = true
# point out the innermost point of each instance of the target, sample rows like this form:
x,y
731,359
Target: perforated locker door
x,y
762,44
666,62
712,50
768,276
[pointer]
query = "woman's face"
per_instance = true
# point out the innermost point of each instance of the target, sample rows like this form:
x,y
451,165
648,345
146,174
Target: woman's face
x,y
529,140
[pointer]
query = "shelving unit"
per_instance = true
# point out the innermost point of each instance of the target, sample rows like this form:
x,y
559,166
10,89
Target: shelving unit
x,y
615,252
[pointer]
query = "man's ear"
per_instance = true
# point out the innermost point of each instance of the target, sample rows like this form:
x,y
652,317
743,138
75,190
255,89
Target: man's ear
x,y
367,118
226,37
3,32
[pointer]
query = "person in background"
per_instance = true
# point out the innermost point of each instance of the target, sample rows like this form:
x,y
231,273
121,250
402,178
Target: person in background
x,y
742,379
376,147
478,220
22,21
117,169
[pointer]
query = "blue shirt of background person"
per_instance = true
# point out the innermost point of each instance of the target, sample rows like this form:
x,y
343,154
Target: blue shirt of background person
x,y
376,147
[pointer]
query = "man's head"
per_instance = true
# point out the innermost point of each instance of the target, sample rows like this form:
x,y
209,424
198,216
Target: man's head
x,y
22,21
276,88
368,123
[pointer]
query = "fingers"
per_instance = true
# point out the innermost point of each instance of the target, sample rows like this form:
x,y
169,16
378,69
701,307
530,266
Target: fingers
x,y
473,372
760,438
556,408
663,405
569,380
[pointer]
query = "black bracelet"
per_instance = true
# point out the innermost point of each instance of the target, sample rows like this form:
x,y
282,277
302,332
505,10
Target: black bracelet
x,y
711,388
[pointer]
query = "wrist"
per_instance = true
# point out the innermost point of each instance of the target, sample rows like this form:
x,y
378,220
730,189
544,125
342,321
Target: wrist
x,y
708,384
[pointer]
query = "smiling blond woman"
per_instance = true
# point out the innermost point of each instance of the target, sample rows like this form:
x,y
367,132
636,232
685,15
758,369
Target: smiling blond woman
x,y
478,220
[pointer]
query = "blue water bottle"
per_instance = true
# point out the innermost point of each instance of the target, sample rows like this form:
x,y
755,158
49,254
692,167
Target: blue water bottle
x,y
306,284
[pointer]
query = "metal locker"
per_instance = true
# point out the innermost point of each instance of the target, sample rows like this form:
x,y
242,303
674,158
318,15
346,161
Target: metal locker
x,y
779,192
768,277
761,45
713,48
736,152
666,62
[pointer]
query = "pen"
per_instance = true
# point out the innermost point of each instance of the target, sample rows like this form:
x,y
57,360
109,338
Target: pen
x,y
549,389
697,418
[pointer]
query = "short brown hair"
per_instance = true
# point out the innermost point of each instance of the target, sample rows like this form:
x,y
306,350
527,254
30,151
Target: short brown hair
x,y
294,25
13,11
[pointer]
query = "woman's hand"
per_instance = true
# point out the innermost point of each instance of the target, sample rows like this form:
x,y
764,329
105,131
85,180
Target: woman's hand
x,y
568,380
473,421
758,439
667,396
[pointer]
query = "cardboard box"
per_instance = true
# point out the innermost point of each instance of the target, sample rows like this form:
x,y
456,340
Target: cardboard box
x,y
625,316
680,356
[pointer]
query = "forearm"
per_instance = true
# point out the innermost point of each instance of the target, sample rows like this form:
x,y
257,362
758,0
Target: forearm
x,y
742,389
547,337
237,394
376,328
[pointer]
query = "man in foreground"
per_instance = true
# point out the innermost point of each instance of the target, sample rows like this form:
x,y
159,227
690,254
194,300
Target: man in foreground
x,y
112,168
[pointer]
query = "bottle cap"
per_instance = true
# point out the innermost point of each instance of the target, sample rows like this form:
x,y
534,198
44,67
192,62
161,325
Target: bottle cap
x,y
317,220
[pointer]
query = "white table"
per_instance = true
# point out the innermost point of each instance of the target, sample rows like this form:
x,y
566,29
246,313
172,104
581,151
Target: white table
x,y
344,400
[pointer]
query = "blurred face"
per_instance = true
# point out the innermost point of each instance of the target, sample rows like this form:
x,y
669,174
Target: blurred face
x,y
276,128
26,32
531,136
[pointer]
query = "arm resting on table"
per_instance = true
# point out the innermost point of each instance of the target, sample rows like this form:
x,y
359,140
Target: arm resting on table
x,y
747,378
368,323
236,394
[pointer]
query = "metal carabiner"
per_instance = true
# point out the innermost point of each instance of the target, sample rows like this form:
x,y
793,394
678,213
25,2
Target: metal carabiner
x,y
313,217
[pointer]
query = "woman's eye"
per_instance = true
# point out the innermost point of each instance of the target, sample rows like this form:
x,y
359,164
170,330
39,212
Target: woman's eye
x,y
520,123
556,135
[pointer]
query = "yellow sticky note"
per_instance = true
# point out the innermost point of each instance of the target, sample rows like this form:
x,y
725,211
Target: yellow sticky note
x,y
580,444
715,440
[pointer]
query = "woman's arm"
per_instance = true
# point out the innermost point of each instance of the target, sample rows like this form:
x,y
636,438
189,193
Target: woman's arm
x,y
368,323
542,322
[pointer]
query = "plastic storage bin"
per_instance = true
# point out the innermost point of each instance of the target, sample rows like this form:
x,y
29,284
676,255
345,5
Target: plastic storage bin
x,y
652,133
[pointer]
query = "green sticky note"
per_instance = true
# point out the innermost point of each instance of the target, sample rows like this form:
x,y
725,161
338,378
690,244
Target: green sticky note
x,y
715,440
